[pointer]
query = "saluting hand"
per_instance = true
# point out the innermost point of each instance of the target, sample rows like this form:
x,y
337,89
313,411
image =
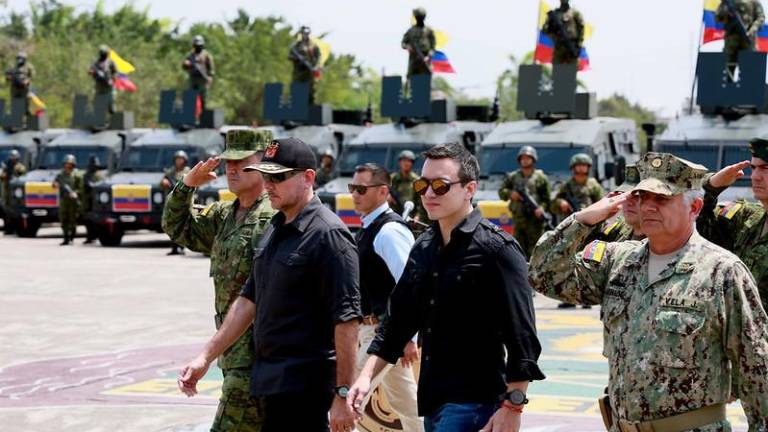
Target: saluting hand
x,y
602,210
202,173
190,374
728,175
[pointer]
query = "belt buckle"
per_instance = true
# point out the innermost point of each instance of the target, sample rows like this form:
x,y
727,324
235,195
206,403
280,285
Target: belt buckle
x,y
629,426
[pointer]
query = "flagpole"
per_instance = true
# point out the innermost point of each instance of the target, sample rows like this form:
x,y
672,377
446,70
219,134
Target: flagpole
x,y
696,69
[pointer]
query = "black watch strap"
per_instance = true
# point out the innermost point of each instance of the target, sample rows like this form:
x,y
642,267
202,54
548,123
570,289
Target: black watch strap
x,y
181,187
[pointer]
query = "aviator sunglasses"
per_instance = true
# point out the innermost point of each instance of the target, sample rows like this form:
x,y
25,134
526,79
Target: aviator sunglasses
x,y
439,186
362,189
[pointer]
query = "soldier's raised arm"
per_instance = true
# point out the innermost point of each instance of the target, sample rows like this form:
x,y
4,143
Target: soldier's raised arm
x,y
759,19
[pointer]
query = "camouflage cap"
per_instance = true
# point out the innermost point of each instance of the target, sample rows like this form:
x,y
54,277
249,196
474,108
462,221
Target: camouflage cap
x,y
759,148
667,174
242,143
631,179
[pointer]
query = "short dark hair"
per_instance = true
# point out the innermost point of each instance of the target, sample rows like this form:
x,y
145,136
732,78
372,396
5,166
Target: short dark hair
x,y
469,167
379,174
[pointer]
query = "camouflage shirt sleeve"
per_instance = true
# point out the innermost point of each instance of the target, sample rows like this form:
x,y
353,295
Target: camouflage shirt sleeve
x,y
209,64
543,191
554,207
506,187
432,41
560,271
759,19
746,343
709,224
597,193
406,39
186,227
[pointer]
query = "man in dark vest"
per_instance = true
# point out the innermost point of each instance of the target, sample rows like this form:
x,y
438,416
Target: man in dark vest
x,y
383,244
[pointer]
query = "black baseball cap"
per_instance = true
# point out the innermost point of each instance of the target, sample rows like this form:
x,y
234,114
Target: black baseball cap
x,y
283,155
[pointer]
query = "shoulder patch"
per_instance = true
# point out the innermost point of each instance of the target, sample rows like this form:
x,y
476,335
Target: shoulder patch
x,y
207,209
595,251
610,228
729,209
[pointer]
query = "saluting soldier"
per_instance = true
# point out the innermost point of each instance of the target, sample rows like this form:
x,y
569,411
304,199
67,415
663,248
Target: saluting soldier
x,y
565,26
529,222
741,226
229,232
684,327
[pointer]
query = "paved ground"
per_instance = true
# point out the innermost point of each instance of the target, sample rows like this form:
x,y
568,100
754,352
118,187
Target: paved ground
x,y
91,339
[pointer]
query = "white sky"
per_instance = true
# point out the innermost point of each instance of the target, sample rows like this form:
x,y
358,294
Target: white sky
x,y
642,49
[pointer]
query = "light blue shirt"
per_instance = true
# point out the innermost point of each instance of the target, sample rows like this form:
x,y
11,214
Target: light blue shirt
x,y
393,243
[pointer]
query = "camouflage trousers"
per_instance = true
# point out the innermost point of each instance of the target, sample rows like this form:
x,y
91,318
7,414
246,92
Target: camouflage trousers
x,y
238,411
201,86
563,55
527,235
68,216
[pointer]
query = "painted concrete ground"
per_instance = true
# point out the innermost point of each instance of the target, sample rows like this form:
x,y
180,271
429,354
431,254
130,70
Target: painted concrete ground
x,y
91,339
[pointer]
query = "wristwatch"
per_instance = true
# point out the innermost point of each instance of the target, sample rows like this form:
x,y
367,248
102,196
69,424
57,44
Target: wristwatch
x,y
341,391
516,397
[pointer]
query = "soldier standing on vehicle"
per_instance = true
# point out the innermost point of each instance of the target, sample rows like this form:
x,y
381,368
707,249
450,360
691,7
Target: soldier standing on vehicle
x,y
565,26
199,66
172,177
68,181
684,327
741,27
325,172
91,177
229,232
305,56
741,226
419,40
20,79
402,187
529,222
104,71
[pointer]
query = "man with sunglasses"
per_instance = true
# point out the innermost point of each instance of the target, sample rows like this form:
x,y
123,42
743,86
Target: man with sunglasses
x,y
683,326
741,226
383,244
227,231
465,290
306,310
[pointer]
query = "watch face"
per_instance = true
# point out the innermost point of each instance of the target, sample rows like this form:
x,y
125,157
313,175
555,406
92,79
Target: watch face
x,y
342,391
517,397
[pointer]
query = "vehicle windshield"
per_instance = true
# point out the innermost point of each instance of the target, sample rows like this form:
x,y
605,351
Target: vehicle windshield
x,y
380,154
53,157
5,153
551,160
705,154
154,158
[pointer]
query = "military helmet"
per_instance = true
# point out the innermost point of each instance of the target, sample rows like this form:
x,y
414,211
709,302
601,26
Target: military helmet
x,y
580,159
103,49
14,154
528,151
305,30
242,143
21,54
180,154
69,159
419,12
406,154
198,40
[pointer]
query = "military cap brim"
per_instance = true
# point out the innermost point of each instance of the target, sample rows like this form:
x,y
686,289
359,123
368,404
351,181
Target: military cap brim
x,y
268,168
759,148
237,154
659,187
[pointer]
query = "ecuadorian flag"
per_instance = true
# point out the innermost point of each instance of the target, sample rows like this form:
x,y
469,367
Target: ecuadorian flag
x,y
545,46
131,198
124,68
40,194
345,210
714,30
498,213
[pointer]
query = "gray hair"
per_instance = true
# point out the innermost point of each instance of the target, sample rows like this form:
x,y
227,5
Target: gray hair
x,y
691,195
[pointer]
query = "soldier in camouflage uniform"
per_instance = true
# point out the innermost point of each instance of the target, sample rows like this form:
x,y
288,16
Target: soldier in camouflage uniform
x,y
20,79
419,40
683,326
741,226
69,181
90,178
172,176
228,231
305,56
325,172
529,223
580,190
199,66
402,187
751,14
104,72
573,27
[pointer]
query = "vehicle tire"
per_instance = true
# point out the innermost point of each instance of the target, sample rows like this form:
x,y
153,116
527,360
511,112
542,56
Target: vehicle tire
x,y
110,238
27,230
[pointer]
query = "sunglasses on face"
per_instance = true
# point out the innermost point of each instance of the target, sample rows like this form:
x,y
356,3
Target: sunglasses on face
x,y
281,177
362,189
439,186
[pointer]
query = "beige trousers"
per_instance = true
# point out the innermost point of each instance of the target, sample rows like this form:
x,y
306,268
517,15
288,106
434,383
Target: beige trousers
x,y
397,381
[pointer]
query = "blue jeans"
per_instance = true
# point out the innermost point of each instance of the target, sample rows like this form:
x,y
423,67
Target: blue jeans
x,y
453,417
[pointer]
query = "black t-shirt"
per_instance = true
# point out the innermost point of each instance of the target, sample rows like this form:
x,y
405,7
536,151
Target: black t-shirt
x,y
304,280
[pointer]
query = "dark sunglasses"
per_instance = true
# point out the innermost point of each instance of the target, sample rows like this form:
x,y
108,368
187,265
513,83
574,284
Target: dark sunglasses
x,y
281,177
439,186
362,189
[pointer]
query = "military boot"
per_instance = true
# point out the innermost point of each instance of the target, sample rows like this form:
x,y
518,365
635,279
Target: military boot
x,y
66,241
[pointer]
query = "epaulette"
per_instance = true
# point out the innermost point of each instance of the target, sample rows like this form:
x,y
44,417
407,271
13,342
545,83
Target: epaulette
x,y
610,228
595,251
207,209
507,237
729,209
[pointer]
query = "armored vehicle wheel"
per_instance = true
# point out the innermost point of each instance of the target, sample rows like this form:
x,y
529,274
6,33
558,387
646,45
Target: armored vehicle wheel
x,y
110,238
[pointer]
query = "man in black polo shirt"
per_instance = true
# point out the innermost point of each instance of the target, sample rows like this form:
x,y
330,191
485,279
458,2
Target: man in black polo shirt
x,y
465,290
303,299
